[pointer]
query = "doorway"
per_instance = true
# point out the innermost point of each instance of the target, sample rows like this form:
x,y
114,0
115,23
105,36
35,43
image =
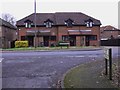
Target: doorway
x,y
30,41
87,41
46,41
72,40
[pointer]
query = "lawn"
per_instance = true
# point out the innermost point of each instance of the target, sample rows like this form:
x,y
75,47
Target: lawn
x,y
87,76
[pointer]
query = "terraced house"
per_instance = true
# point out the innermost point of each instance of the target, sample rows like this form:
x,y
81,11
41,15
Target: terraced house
x,y
76,28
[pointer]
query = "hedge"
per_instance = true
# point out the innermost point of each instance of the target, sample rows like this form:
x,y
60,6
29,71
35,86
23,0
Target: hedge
x,y
19,44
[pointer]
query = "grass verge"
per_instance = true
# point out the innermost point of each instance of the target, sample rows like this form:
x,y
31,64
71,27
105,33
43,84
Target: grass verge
x,y
46,48
87,76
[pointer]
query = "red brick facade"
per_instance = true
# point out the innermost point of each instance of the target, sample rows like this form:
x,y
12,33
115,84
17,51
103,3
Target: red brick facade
x,y
77,35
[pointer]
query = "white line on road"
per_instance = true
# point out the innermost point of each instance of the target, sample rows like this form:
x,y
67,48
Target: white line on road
x,y
1,59
75,56
83,56
61,61
80,56
93,56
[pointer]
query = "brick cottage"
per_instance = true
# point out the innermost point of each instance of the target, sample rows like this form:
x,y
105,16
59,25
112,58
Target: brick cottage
x,y
76,28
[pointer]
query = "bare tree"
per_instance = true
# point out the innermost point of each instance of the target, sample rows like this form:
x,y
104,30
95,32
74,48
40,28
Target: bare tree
x,y
9,18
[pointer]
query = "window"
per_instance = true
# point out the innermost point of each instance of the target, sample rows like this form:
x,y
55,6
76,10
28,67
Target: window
x,y
93,37
48,23
28,23
69,22
89,23
23,38
65,38
53,38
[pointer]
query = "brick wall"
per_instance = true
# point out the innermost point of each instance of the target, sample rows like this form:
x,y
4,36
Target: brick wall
x,y
8,35
63,30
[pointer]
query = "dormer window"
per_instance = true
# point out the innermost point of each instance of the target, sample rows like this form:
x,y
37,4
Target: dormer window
x,y
69,22
48,23
89,23
28,23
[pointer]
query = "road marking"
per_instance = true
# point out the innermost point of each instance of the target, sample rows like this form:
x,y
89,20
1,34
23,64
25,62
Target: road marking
x,y
70,56
79,56
61,61
75,56
93,56
83,56
1,59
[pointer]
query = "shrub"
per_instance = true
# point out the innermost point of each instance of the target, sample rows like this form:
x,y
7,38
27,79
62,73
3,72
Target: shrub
x,y
19,44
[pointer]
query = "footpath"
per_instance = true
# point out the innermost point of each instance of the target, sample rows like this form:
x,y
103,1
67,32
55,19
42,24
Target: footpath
x,y
88,75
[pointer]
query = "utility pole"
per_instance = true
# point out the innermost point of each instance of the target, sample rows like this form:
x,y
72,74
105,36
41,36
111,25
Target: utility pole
x,y
35,24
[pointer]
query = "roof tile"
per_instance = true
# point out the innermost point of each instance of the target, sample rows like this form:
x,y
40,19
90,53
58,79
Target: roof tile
x,y
59,18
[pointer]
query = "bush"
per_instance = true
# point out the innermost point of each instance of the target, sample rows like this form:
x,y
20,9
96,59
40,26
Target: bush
x,y
19,44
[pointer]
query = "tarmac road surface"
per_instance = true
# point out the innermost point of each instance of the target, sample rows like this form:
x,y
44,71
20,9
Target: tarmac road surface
x,y
42,69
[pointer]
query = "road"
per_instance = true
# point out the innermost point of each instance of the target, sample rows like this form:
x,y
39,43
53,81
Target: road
x,y
43,69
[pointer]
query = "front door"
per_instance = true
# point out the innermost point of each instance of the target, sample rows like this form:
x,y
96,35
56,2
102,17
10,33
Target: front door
x,y
30,40
87,41
46,41
72,40
82,40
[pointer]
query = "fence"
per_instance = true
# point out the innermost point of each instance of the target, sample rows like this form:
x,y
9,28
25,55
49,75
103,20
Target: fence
x,y
110,42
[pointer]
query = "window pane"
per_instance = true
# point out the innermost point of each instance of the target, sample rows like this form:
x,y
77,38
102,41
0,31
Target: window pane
x,y
29,25
87,24
53,38
26,24
93,37
90,24
23,38
65,38
48,24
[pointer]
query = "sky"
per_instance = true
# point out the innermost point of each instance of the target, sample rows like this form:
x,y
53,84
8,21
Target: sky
x,y
104,10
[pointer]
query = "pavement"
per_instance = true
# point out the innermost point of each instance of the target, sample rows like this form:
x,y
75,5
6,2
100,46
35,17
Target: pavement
x,y
89,75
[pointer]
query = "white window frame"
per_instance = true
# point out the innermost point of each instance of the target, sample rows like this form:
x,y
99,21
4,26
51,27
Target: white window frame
x,y
89,24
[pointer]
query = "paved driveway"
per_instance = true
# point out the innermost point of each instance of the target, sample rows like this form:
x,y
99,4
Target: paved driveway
x,y
41,69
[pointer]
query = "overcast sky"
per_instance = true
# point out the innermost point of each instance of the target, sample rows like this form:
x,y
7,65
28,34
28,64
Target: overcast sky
x,y
104,10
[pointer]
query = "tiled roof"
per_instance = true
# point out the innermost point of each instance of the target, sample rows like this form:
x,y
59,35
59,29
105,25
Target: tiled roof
x,y
59,18
108,28
6,24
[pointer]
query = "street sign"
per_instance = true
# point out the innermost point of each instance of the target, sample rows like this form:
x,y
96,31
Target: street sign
x,y
108,57
106,53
